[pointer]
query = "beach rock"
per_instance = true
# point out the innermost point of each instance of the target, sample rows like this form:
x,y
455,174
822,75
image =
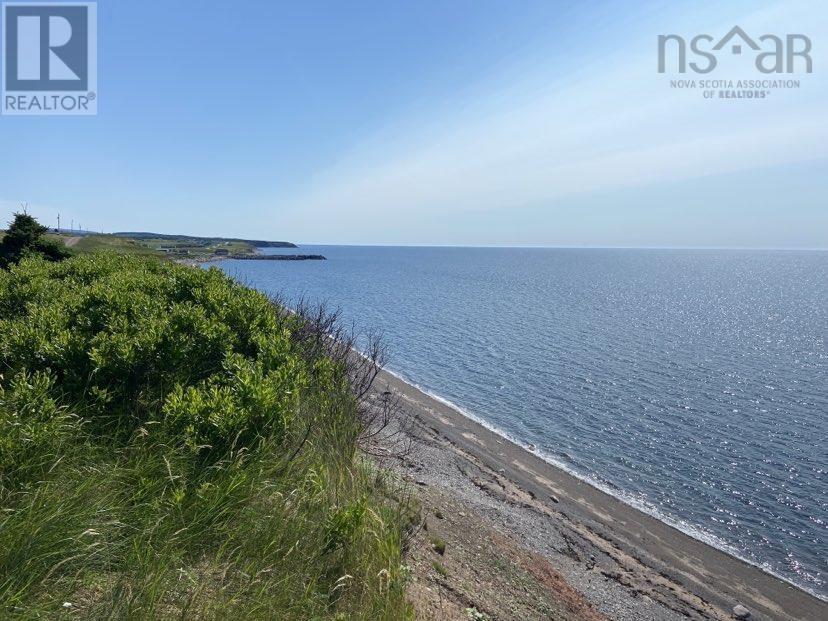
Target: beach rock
x,y
421,482
740,612
554,498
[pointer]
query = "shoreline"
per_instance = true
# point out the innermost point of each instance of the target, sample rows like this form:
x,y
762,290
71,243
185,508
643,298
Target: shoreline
x,y
691,531
614,540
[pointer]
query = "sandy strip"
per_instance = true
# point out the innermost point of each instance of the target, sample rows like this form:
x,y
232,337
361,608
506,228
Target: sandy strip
x,y
627,563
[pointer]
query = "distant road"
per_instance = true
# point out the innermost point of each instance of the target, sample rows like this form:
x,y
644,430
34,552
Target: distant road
x,y
71,241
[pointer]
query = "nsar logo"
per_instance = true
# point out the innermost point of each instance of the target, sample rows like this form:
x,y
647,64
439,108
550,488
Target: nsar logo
x,y
772,54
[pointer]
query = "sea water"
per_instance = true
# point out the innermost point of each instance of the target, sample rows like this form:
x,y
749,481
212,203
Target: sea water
x,y
692,384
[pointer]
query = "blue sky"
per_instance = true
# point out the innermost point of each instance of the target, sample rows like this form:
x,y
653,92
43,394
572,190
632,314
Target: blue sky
x,y
457,122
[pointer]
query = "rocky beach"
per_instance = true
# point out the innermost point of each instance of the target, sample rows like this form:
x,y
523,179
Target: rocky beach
x,y
518,538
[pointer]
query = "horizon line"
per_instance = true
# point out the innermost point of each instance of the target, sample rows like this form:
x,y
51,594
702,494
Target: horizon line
x,y
557,247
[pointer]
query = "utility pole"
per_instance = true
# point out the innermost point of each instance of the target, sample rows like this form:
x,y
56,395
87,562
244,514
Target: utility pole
x,y
58,228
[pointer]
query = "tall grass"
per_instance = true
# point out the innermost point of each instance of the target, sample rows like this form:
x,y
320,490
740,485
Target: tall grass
x,y
171,448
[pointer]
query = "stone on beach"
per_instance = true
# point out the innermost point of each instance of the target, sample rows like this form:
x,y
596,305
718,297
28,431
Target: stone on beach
x,y
740,612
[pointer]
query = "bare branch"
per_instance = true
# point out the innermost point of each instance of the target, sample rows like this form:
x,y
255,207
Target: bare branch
x,y
321,332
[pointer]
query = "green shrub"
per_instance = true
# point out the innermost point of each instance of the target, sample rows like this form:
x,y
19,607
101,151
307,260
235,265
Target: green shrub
x,y
132,341
438,544
25,238
32,427
168,448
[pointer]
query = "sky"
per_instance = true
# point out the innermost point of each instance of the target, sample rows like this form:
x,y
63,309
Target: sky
x,y
459,122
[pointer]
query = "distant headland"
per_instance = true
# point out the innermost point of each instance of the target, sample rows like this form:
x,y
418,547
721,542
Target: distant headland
x,y
257,243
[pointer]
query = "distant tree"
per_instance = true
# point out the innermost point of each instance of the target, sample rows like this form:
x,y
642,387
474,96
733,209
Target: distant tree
x,y
24,238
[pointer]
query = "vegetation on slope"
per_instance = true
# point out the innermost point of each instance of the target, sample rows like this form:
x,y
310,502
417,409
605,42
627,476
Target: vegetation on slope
x,y
207,241
180,246
27,237
96,243
174,445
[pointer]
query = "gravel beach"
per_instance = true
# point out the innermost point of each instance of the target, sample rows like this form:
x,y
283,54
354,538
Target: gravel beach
x,y
610,559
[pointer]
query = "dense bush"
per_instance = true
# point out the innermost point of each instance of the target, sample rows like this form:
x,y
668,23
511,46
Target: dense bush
x,y
169,447
25,238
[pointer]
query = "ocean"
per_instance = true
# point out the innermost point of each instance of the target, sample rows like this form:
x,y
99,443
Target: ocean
x,y
692,384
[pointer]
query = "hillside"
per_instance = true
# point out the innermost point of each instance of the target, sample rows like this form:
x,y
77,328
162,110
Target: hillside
x,y
194,240
183,248
187,247
173,445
